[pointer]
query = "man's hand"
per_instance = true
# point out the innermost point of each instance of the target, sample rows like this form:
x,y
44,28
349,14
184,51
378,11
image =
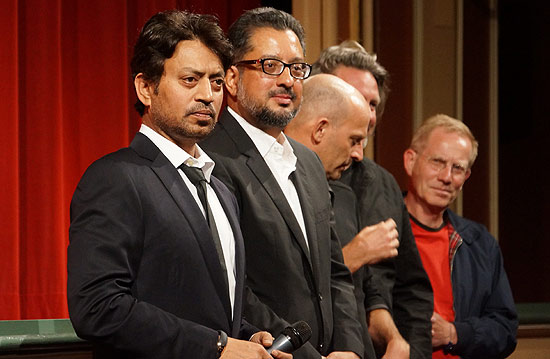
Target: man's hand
x,y
371,245
343,355
266,340
397,348
443,332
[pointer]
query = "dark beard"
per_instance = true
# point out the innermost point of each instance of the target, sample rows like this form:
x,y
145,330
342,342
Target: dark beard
x,y
268,118
264,116
182,129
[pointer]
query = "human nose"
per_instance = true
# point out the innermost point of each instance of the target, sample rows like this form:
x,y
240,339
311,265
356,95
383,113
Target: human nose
x,y
204,91
372,123
285,78
357,152
446,173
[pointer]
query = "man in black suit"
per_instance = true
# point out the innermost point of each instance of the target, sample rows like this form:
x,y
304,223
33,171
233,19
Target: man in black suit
x,y
295,269
148,275
333,122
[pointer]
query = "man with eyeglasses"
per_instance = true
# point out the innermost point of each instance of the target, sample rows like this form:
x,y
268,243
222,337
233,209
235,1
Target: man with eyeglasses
x,y
474,314
294,261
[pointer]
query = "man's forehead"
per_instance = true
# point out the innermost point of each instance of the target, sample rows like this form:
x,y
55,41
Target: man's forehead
x,y
187,59
363,80
269,40
441,141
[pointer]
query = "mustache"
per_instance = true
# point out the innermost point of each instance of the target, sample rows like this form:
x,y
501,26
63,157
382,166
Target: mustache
x,y
283,91
201,107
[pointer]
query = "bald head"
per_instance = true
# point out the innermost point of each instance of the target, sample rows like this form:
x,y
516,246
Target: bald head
x,y
332,121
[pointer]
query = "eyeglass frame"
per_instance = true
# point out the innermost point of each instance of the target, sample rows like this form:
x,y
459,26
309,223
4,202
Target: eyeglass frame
x,y
440,164
285,65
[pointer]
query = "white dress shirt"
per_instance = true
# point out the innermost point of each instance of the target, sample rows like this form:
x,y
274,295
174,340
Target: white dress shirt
x,y
177,156
281,161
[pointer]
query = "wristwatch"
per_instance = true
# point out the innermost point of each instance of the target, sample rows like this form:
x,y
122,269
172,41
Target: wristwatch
x,y
222,342
448,348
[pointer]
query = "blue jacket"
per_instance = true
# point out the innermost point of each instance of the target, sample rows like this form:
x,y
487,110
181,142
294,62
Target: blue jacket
x,y
485,316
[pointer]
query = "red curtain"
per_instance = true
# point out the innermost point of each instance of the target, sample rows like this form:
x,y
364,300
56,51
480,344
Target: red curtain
x,y
67,99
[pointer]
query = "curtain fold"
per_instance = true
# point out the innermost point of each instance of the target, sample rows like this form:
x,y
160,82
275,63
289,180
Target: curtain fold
x,y
68,99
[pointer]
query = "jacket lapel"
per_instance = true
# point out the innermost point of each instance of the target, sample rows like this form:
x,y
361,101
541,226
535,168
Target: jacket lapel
x,y
262,172
239,254
305,194
174,184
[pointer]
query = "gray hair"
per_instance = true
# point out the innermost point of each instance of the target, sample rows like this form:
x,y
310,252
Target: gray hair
x,y
448,124
351,54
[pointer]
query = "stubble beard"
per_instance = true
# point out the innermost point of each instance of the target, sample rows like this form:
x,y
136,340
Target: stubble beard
x,y
181,129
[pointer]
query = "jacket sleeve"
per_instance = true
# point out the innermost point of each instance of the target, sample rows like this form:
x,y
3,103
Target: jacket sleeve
x,y
106,241
402,281
412,293
492,334
347,330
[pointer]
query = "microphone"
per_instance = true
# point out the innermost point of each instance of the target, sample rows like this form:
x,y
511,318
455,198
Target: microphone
x,y
291,338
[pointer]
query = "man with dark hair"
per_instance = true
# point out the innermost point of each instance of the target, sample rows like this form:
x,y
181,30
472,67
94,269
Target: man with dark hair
x,y
156,259
474,314
294,260
399,319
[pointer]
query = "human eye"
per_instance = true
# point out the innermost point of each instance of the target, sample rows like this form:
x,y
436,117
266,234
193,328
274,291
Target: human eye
x,y
438,163
356,141
298,67
458,169
272,66
189,80
374,105
217,83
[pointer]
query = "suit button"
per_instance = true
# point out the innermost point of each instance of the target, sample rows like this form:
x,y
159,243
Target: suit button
x,y
321,347
320,297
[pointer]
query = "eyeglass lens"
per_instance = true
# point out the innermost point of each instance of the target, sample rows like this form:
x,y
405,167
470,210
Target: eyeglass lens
x,y
276,67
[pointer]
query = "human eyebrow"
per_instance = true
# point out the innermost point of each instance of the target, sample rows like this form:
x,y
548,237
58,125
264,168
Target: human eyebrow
x,y
218,74
193,71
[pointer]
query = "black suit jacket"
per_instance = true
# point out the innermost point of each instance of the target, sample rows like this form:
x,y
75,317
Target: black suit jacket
x,y
288,281
144,279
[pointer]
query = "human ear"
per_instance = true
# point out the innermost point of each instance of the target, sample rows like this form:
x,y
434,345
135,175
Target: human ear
x,y
320,130
232,80
144,89
409,159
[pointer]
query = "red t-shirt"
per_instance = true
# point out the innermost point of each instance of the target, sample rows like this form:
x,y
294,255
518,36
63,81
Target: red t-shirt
x,y
433,246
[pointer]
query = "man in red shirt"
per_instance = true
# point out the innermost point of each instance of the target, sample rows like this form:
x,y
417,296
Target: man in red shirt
x,y
474,314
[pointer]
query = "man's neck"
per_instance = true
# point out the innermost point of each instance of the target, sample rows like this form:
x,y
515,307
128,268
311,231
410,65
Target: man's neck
x,y
424,213
186,144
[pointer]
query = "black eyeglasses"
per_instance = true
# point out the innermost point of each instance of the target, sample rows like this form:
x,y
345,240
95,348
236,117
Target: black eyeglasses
x,y
274,67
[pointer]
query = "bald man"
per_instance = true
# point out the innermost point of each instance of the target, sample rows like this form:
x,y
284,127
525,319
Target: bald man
x,y
333,122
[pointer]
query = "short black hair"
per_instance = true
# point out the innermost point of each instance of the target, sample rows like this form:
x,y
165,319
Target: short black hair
x,y
241,30
163,31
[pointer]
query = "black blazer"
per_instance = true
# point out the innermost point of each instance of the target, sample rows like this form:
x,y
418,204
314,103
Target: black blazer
x,y
287,281
144,279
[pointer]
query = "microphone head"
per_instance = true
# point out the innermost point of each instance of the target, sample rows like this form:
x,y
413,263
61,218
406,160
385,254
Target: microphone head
x,y
298,334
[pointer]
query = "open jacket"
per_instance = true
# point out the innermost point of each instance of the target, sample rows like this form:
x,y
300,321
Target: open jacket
x,y
485,316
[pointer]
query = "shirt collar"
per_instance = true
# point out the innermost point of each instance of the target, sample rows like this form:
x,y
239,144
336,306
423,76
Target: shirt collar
x,y
263,142
176,155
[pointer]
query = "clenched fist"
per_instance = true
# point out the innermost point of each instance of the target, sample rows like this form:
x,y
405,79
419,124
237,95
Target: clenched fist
x,y
371,245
